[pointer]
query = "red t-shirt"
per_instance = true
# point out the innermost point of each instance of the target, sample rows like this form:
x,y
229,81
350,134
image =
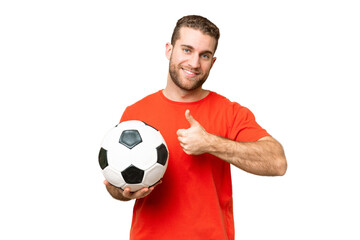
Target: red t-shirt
x,y
194,200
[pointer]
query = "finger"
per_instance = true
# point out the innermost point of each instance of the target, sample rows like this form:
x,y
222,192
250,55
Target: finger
x,y
126,193
180,139
153,187
181,132
141,193
187,152
159,182
190,118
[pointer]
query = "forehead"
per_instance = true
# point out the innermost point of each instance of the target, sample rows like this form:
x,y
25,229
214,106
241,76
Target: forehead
x,y
196,39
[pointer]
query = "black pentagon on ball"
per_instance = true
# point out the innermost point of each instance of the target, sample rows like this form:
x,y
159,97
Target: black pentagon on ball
x,y
162,154
133,175
103,158
130,138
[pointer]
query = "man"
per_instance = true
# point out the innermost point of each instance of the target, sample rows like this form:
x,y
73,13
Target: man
x,y
205,133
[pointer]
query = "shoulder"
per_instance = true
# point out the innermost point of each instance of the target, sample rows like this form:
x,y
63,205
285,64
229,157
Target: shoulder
x,y
225,104
240,122
146,103
232,111
227,109
148,99
141,107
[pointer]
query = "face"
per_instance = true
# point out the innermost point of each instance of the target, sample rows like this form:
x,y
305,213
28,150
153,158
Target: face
x,y
191,59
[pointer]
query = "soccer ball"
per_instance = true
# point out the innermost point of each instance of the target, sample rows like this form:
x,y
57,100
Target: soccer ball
x,y
133,154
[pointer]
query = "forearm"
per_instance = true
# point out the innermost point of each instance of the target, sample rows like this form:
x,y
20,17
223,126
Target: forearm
x,y
264,157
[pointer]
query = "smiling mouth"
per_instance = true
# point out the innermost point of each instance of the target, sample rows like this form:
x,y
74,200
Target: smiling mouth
x,y
190,73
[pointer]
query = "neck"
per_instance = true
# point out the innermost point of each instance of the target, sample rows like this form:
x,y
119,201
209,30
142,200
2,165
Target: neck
x,y
177,94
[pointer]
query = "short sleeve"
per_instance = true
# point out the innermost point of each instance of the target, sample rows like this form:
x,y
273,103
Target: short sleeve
x,y
124,116
244,127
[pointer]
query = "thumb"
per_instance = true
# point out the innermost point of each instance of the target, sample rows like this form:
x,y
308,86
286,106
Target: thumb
x,y
190,118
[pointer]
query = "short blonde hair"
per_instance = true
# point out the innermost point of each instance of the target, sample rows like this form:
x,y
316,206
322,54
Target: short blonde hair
x,y
198,23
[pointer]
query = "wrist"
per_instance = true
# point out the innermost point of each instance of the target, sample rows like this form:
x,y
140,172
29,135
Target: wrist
x,y
213,143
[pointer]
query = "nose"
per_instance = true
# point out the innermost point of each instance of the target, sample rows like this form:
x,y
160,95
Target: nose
x,y
194,61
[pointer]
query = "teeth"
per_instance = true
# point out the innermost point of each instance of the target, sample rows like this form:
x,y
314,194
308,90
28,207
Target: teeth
x,y
189,72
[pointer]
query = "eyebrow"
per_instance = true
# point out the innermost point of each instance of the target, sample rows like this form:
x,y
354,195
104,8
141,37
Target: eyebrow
x,y
191,47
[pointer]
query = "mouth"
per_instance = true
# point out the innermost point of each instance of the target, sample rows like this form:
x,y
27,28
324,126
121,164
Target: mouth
x,y
190,73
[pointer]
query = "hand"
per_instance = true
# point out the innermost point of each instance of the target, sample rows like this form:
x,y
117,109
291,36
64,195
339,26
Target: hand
x,y
194,140
125,194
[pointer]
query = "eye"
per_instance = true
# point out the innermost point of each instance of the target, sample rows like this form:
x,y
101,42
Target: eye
x,y
205,56
186,50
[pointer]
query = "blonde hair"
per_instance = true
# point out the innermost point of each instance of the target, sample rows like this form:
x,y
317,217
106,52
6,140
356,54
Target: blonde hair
x,y
198,23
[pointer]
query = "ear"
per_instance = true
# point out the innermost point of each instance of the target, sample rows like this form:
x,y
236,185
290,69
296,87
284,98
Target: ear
x,y
213,61
168,50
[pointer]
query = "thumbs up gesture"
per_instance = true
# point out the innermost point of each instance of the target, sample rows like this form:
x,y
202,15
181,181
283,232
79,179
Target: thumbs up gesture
x,y
194,140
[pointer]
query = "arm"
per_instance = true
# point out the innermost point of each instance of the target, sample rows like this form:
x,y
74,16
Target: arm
x,y
264,157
